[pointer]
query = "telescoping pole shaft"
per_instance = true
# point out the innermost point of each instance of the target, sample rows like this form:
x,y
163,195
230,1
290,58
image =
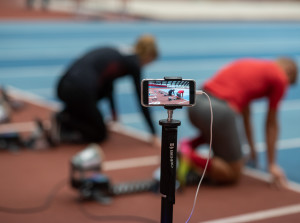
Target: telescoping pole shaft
x,y
168,168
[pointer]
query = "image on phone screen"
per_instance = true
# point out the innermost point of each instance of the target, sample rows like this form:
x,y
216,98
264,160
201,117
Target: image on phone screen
x,y
169,92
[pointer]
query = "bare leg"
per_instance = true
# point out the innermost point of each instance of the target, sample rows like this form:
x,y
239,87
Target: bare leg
x,y
223,172
218,170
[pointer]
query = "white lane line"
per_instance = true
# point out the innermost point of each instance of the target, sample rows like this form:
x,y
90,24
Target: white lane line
x,y
142,161
131,163
266,177
284,144
33,98
281,144
259,215
17,127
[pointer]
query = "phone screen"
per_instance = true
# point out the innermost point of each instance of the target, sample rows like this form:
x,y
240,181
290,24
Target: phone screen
x,y
168,93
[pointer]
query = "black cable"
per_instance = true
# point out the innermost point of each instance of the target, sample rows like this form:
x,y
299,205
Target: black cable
x,y
121,218
40,208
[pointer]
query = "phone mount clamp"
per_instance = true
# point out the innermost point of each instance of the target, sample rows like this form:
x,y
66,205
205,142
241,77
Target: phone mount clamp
x,y
168,161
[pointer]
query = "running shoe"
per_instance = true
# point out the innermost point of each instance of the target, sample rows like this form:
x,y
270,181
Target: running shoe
x,y
185,163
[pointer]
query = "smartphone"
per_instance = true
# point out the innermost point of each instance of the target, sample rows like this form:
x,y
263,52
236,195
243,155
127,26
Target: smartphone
x,y
168,92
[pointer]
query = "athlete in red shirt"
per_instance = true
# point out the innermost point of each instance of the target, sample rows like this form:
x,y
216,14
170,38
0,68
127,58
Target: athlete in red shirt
x,y
247,79
231,90
181,93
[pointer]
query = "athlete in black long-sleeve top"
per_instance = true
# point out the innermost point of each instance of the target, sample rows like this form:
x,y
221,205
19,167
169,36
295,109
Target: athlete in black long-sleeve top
x,y
90,79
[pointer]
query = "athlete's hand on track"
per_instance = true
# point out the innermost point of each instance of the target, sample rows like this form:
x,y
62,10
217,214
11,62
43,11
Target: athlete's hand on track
x,y
278,177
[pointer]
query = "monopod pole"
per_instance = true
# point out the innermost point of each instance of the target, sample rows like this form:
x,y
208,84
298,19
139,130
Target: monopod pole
x,y
168,166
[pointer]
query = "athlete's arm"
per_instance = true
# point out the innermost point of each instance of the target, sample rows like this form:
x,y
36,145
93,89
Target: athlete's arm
x,y
146,113
112,104
272,129
246,113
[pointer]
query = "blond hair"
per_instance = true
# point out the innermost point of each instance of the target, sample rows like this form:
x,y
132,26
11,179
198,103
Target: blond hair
x,y
290,68
145,47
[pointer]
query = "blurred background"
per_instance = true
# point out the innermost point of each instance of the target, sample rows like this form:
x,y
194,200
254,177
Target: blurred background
x,y
39,39
163,10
